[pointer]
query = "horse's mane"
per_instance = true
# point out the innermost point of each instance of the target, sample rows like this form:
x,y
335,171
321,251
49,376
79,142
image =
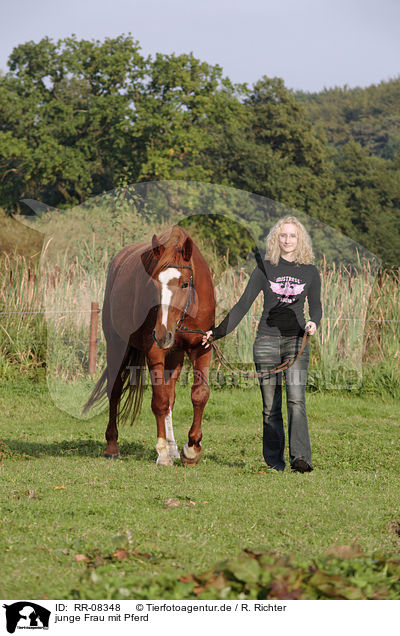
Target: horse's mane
x,y
173,240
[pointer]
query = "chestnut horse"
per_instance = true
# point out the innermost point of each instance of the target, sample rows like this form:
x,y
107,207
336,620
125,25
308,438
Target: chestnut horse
x,y
156,293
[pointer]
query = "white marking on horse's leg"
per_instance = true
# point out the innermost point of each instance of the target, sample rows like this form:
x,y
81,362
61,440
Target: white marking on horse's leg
x,y
190,452
163,458
166,294
169,431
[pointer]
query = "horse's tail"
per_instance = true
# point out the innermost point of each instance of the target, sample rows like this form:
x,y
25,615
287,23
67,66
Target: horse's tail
x,y
98,392
133,385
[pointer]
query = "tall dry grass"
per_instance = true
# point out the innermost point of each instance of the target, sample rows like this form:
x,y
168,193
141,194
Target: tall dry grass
x,y
358,340
22,326
45,315
382,339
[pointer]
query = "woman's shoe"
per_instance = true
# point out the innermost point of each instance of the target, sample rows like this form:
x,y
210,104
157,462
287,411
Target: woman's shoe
x,y
300,465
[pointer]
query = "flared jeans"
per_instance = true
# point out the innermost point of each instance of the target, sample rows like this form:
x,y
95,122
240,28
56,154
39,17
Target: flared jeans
x,y
269,352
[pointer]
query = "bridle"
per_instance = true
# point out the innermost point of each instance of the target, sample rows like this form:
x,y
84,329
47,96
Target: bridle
x,y
228,365
190,296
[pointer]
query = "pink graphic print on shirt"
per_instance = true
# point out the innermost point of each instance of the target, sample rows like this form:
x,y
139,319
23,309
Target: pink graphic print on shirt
x,y
287,288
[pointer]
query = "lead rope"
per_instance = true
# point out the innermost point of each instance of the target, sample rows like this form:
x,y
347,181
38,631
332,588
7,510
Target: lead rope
x,y
249,374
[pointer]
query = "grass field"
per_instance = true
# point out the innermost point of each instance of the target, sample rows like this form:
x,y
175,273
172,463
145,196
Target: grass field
x,y
65,509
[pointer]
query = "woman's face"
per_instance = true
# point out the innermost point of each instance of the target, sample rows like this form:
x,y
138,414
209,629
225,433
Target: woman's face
x,y
288,240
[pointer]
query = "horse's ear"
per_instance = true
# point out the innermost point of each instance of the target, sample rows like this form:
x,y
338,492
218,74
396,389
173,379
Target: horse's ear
x,y
158,248
187,249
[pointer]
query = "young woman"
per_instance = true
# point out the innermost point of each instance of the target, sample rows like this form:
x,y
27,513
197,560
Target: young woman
x,y
286,277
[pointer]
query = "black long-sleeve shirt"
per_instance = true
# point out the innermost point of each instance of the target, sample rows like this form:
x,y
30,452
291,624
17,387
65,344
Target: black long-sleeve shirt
x,y
285,287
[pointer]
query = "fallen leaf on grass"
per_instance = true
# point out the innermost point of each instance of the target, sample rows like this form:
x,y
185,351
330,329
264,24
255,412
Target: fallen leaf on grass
x,y
187,579
62,487
95,558
142,555
280,589
32,495
121,554
172,503
17,494
345,551
395,527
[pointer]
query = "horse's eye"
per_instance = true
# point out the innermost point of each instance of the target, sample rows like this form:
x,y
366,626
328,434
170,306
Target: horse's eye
x,y
184,285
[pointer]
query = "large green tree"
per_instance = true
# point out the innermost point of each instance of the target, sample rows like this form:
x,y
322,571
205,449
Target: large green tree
x,y
178,114
369,188
369,115
78,118
66,118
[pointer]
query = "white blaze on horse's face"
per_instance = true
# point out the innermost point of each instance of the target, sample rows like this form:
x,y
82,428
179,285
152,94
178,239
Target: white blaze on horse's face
x,y
165,277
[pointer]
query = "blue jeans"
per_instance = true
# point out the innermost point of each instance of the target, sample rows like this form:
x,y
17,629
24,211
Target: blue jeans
x,y
270,351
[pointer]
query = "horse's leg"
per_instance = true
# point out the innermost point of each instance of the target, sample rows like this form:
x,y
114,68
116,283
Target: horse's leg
x,y
116,349
173,367
159,402
191,452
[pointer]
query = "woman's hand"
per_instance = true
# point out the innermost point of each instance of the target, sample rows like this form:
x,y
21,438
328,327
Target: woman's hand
x,y
311,327
205,341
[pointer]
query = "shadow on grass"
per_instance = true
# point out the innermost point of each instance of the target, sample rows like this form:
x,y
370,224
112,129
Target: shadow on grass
x,y
95,448
77,448
219,459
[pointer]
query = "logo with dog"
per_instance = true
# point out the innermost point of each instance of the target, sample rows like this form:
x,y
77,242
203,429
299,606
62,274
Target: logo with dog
x,y
26,615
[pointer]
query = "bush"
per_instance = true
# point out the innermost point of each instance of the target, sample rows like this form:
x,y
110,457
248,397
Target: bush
x,y
343,573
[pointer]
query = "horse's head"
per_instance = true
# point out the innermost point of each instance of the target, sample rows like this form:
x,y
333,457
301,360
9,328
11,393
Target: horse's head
x,y
173,277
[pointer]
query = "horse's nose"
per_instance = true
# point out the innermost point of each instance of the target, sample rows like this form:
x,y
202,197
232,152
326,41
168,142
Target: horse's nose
x,y
169,338
166,341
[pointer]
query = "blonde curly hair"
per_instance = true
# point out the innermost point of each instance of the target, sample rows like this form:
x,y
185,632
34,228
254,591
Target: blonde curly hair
x,y
304,254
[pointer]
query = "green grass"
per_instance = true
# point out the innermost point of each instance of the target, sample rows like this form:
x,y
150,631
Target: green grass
x,y
60,498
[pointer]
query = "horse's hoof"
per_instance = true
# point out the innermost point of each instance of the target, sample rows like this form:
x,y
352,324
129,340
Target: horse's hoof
x,y
189,456
173,452
190,462
112,455
163,458
164,461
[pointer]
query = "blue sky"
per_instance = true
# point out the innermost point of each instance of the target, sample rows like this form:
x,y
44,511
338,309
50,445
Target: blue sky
x,y
311,44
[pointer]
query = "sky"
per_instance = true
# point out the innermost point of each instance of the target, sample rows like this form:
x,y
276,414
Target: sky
x,y
311,44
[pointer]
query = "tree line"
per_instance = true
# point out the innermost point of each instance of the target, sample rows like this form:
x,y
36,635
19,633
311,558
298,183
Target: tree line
x,y
79,117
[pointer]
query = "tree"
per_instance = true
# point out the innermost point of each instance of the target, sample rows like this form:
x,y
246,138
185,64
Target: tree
x,y
370,191
369,115
178,115
66,113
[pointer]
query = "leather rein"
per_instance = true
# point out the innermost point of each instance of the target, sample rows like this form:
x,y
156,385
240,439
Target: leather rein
x,y
220,356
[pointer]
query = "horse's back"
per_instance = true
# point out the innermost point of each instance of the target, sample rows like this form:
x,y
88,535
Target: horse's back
x,y
126,304
128,257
